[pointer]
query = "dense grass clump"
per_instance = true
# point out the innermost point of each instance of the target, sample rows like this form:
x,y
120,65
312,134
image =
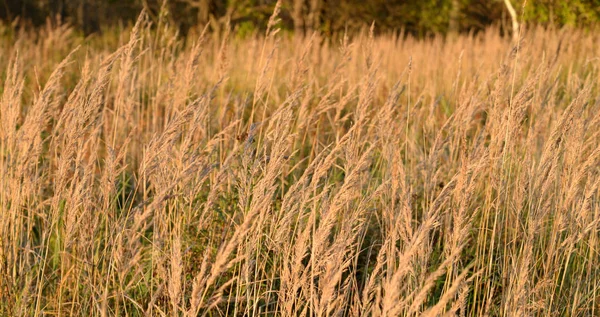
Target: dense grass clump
x,y
277,175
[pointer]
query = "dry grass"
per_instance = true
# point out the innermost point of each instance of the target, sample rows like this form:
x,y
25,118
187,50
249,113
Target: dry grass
x,y
370,176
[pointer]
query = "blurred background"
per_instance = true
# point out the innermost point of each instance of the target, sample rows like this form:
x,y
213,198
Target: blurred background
x,y
417,17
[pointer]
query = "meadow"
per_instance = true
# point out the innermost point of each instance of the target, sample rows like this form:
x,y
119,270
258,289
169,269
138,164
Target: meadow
x,y
143,174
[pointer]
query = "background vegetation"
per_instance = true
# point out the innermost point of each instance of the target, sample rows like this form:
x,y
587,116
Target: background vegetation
x,y
326,16
149,174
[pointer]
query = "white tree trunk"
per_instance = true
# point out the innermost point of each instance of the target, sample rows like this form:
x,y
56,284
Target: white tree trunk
x,y
515,23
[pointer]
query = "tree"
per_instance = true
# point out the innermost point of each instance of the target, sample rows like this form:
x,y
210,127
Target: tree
x,y
515,22
306,15
454,14
298,16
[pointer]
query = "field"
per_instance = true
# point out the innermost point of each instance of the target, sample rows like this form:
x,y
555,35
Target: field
x,y
144,174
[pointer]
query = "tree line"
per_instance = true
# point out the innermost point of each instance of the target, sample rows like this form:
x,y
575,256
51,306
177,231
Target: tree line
x,y
418,17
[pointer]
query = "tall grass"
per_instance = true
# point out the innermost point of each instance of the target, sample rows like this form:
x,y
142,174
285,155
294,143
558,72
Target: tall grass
x,y
277,175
